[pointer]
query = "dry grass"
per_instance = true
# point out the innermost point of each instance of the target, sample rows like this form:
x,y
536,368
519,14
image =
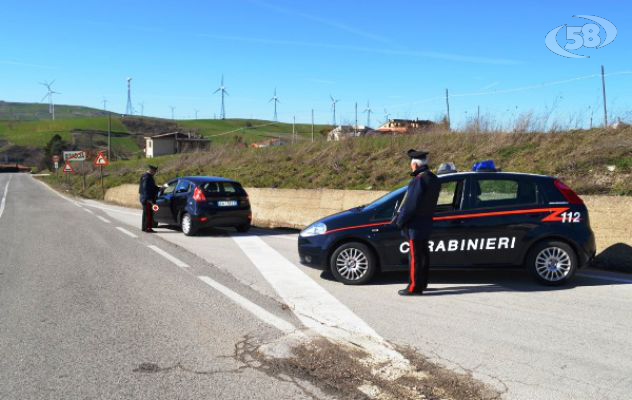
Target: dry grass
x,y
581,158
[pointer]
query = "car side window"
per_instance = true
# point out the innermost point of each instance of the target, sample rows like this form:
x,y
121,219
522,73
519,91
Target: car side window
x,y
171,186
183,187
450,196
503,192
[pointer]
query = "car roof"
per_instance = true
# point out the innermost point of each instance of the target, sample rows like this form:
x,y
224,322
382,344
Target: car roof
x,y
203,179
493,174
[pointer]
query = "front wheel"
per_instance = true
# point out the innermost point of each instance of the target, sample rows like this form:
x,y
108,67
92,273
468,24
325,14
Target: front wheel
x,y
552,263
353,264
188,228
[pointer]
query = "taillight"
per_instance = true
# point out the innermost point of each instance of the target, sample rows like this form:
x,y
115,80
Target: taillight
x,y
198,195
568,193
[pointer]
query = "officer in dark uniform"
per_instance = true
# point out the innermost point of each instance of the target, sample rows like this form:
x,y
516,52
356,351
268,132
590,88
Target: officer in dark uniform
x,y
414,218
148,192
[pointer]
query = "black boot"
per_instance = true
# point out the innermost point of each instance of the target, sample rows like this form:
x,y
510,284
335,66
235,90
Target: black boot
x,y
405,292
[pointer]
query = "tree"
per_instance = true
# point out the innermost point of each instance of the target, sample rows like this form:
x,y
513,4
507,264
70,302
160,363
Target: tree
x,y
55,146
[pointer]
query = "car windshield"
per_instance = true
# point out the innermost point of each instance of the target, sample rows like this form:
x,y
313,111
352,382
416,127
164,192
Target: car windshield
x,y
386,198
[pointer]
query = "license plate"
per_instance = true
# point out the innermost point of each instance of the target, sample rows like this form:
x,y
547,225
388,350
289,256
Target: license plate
x,y
227,203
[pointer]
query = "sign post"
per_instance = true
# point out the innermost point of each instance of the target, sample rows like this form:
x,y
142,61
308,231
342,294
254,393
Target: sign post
x,y
101,161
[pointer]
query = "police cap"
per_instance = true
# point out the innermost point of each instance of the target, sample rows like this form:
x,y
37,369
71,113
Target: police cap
x,y
418,154
152,167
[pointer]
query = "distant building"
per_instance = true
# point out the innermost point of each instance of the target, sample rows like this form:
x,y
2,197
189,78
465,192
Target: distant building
x,y
405,126
269,143
348,131
172,143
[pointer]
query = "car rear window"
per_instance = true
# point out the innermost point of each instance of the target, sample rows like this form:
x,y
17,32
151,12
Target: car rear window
x,y
222,189
503,192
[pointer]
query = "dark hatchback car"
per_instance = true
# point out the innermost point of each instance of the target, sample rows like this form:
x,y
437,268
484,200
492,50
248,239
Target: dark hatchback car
x,y
483,219
197,202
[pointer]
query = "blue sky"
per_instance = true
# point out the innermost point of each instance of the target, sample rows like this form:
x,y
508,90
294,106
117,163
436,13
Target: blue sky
x,y
398,55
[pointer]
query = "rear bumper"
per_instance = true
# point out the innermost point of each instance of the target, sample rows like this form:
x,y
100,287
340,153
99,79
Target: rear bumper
x,y
229,218
587,251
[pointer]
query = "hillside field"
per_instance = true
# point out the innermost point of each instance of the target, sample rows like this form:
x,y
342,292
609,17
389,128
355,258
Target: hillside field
x,y
592,162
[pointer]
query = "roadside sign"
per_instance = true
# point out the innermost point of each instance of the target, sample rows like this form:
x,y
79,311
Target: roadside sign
x,y
78,155
56,164
55,159
101,160
68,168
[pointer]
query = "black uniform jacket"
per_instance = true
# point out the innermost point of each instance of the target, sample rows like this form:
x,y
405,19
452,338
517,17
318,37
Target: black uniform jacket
x,y
415,214
147,190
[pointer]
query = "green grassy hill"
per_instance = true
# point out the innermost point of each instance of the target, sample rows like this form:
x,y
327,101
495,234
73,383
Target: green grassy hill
x,y
250,130
39,111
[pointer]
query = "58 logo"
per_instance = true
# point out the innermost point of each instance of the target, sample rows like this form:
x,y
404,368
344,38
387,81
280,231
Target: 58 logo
x,y
590,35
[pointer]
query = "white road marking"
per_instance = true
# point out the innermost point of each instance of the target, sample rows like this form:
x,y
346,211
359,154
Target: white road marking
x,y
4,196
112,209
107,221
88,211
128,233
315,307
168,256
605,277
254,309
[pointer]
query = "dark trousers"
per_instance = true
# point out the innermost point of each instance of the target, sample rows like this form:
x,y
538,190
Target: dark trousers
x,y
148,216
419,263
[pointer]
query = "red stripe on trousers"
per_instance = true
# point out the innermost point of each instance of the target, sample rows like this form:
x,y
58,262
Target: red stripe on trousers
x,y
411,287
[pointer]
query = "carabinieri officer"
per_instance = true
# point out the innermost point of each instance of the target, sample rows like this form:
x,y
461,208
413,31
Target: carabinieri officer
x,y
148,192
414,218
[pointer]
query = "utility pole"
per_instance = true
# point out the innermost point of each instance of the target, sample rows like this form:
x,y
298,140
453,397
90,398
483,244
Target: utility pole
x,y
603,87
196,113
312,125
447,104
293,129
109,135
591,116
105,104
356,118
172,109
478,118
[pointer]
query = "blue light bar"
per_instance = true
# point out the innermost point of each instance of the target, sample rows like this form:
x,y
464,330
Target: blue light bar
x,y
484,166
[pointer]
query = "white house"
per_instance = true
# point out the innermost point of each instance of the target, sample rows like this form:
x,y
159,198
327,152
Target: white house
x,y
172,143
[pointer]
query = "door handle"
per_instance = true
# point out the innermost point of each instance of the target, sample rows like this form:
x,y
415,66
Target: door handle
x,y
375,230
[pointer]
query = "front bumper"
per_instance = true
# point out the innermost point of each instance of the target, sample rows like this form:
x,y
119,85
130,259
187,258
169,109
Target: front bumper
x,y
312,251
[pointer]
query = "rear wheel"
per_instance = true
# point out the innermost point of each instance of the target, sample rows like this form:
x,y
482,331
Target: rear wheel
x,y
243,228
188,227
552,263
353,263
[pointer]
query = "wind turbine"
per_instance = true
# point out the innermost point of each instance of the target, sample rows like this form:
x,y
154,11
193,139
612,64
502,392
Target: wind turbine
x,y
368,112
49,94
276,100
222,90
333,107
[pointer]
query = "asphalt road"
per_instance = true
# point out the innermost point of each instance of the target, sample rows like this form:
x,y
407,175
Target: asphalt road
x,y
84,301
88,312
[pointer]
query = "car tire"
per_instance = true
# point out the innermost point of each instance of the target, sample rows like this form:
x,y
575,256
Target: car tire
x,y
243,228
552,262
187,225
353,263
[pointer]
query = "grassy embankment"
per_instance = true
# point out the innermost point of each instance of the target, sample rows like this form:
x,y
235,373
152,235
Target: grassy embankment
x,y
583,159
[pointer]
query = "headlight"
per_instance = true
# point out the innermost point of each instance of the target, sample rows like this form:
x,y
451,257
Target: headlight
x,y
315,229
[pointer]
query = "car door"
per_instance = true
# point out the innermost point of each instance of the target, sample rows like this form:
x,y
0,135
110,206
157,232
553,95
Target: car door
x,y
501,210
386,237
180,198
163,201
448,230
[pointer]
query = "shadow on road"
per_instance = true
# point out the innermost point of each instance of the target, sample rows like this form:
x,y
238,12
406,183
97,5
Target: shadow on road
x,y
461,281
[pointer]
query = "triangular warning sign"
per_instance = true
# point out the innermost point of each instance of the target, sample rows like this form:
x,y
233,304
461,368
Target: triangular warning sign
x,y
68,168
101,160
